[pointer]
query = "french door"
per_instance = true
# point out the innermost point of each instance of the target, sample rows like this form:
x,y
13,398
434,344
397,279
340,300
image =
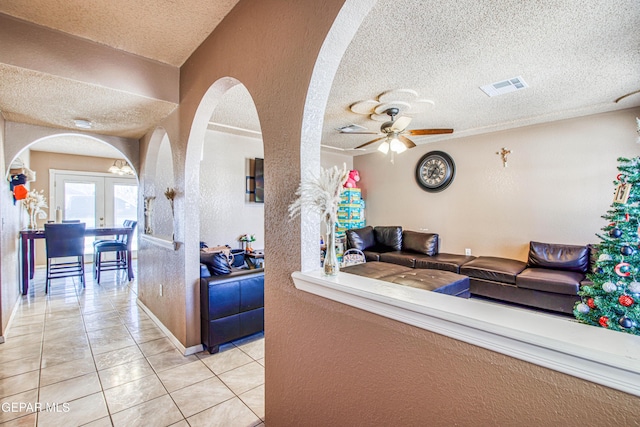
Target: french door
x,y
95,199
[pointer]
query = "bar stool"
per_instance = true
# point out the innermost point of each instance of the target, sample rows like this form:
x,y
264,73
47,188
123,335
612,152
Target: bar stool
x,y
122,248
119,238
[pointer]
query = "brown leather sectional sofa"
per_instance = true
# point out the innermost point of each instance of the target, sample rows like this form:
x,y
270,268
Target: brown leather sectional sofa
x,y
549,280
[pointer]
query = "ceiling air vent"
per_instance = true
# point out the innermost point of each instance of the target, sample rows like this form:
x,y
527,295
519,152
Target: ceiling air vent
x,y
504,86
352,128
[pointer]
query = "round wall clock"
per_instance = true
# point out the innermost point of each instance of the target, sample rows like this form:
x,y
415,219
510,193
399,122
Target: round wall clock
x,y
435,171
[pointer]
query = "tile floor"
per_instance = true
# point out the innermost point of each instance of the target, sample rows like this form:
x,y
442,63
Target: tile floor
x,y
93,357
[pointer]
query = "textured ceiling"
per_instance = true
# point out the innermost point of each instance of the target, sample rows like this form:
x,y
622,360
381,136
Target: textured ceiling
x,y
576,60
28,96
167,31
74,144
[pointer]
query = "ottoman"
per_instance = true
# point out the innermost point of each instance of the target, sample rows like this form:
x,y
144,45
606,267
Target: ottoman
x,y
444,282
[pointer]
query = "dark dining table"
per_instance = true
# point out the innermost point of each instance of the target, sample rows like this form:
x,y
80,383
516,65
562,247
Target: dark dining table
x,y
27,249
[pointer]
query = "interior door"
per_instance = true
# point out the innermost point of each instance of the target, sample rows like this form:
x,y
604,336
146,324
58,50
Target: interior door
x,y
80,197
121,203
97,200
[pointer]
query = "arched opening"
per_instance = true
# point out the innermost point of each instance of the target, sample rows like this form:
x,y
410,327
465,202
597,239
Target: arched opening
x,y
158,180
225,155
83,178
558,330
335,45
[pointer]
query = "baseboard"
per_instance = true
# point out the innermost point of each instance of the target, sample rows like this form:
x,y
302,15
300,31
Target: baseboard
x,y
187,351
13,315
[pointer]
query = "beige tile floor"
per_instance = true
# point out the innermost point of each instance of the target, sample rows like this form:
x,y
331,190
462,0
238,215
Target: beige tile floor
x,y
93,357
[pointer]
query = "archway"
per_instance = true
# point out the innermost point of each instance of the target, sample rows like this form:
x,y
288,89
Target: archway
x,y
158,178
200,128
225,141
335,45
76,175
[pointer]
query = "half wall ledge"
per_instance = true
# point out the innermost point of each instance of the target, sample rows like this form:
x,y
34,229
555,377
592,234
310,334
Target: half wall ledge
x,y
608,358
163,243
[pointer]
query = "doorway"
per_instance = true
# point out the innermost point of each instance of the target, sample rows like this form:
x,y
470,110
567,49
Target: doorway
x,y
96,199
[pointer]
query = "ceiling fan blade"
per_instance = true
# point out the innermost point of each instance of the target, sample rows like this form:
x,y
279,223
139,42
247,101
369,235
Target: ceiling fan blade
x,y
361,133
428,131
401,124
370,142
406,141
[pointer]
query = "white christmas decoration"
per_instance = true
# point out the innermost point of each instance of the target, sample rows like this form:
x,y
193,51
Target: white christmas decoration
x,y
634,287
583,308
605,257
609,287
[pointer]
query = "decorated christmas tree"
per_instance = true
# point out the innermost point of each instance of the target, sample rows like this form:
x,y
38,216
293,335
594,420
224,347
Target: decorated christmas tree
x,y
613,301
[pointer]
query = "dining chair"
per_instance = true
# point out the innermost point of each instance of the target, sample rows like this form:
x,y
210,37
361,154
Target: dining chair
x,y
62,242
119,238
122,248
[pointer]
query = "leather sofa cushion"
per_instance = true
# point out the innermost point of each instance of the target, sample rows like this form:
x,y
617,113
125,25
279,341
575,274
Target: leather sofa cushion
x,y
375,270
388,237
399,257
361,238
371,256
559,257
495,269
422,243
548,280
443,282
443,261
431,280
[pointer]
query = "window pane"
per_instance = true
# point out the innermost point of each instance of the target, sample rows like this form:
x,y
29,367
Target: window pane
x,y
80,202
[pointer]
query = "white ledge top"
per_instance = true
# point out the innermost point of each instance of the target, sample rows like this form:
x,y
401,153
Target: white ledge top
x,y
165,243
591,353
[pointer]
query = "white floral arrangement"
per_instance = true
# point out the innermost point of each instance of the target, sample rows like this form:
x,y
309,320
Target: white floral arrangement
x,y
34,204
321,194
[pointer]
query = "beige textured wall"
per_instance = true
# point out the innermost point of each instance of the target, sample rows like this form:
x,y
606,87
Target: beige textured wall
x,y
556,186
328,364
158,265
161,218
10,219
225,212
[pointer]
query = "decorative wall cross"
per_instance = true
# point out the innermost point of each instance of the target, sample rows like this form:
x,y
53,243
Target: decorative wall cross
x,y
504,153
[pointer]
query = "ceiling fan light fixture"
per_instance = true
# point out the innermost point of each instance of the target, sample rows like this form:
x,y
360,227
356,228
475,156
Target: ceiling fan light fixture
x,y
384,147
120,167
397,146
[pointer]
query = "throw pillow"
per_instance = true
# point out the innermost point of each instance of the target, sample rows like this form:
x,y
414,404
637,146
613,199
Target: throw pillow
x,y
216,262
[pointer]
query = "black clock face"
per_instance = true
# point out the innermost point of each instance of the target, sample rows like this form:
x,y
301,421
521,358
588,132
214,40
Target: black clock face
x,y
435,171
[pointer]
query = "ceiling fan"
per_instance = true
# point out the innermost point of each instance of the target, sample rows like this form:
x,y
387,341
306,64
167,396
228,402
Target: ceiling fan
x,y
393,132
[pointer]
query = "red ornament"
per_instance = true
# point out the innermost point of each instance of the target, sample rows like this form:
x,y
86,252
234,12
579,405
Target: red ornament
x,y
625,300
591,303
626,217
604,321
619,177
